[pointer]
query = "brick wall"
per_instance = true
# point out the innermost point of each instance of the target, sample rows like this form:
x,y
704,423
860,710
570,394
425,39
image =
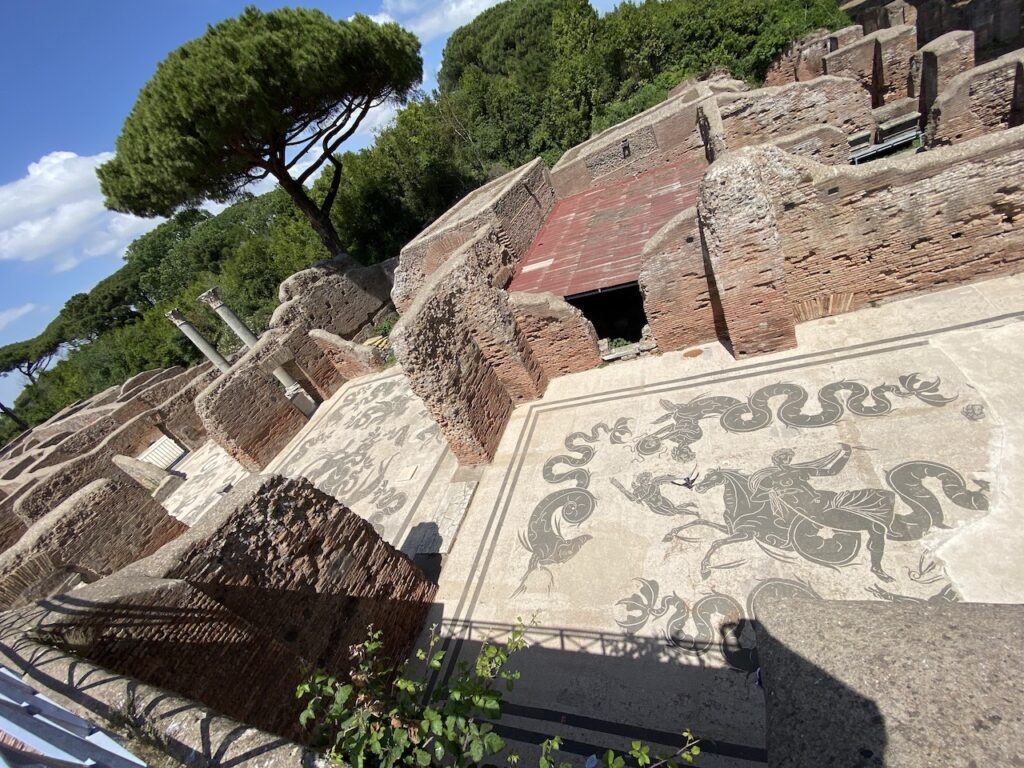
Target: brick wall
x,y
284,555
674,282
790,239
880,62
937,63
515,206
96,531
350,360
988,98
731,121
464,356
803,59
665,133
825,144
57,483
276,579
561,339
247,414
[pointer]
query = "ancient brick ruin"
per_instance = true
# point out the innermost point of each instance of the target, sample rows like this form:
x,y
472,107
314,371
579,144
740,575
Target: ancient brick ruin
x,y
734,211
724,213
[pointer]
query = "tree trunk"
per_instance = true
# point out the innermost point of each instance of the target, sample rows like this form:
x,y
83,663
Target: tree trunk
x,y
13,416
319,220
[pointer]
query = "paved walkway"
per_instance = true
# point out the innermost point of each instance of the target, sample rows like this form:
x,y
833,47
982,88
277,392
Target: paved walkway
x,y
880,460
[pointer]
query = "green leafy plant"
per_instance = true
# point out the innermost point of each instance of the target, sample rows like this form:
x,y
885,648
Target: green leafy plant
x,y
618,343
385,715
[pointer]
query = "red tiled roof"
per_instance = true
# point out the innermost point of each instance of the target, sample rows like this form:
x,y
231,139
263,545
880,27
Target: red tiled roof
x,y
593,240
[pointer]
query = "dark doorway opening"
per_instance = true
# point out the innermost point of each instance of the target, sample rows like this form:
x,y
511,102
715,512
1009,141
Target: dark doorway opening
x,y
617,313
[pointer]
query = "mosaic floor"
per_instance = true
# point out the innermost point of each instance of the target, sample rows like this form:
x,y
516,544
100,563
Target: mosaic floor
x,y
851,469
372,446
639,511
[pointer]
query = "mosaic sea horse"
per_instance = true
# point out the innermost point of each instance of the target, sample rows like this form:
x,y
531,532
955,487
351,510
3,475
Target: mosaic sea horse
x,y
781,511
756,413
718,620
544,537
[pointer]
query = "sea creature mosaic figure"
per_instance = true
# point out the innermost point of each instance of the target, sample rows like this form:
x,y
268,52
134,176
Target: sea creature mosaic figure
x,y
713,622
684,429
782,512
545,537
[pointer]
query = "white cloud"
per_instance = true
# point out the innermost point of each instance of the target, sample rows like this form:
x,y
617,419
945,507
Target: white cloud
x,y
8,316
440,19
55,214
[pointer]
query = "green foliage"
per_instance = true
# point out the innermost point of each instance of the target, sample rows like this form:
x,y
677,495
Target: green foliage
x,y
524,78
385,716
382,716
221,108
254,97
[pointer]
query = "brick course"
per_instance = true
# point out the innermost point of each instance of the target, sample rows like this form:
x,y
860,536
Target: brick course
x,y
94,532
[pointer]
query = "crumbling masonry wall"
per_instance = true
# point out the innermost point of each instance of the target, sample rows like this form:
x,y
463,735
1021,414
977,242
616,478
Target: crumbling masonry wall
x,y
731,121
937,63
880,62
94,532
981,100
992,21
513,206
562,340
666,133
176,416
276,579
245,410
465,356
678,294
790,239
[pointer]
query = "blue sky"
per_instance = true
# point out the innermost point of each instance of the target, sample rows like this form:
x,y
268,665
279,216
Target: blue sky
x,y
70,71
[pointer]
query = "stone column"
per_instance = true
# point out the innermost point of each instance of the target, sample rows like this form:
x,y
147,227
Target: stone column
x,y
292,389
224,312
196,338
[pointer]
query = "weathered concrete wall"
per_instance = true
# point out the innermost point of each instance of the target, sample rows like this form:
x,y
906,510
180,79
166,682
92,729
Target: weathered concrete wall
x,y
880,62
791,239
465,356
94,532
276,579
731,121
987,98
562,340
665,133
678,296
513,206
350,360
